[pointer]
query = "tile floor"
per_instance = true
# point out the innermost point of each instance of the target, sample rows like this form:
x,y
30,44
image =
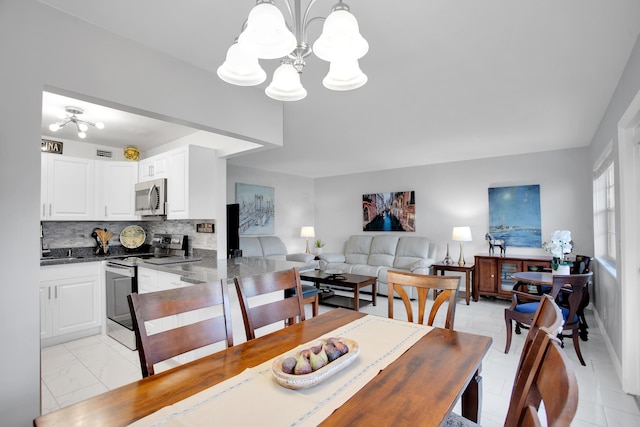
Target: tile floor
x,y
80,369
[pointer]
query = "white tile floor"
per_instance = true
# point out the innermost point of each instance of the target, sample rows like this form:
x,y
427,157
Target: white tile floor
x,y
80,369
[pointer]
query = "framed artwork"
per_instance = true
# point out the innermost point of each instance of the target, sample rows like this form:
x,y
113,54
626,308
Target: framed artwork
x,y
514,215
389,211
257,209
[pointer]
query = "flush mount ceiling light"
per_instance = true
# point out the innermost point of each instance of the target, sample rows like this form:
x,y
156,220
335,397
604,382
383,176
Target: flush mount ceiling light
x,y
72,117
266,35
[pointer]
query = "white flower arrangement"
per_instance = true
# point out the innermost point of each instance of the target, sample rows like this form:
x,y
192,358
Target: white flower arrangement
x,y
559,246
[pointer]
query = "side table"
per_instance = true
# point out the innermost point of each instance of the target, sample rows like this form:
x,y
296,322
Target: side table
x,y
467,269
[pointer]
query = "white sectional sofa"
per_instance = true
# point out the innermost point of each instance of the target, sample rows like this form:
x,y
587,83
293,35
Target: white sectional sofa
x,y
374,255
271,247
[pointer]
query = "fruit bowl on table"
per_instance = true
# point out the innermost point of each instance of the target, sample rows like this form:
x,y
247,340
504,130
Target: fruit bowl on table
x,y
300,381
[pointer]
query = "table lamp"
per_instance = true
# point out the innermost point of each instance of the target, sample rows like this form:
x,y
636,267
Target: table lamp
x,y
307,231
461,234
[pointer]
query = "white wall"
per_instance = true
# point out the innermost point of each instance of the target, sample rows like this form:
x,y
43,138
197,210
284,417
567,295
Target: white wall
x,y
294,200
613,312
102,68
453,194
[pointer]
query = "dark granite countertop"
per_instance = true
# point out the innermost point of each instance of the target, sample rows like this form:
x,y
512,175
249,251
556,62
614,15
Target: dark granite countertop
x,y
211,269
206,269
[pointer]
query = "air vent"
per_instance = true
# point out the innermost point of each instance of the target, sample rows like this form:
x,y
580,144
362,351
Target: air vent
x,y
102,153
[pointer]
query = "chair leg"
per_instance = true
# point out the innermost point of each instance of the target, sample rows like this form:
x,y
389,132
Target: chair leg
x,y
509,327
576,345
518,328
314,307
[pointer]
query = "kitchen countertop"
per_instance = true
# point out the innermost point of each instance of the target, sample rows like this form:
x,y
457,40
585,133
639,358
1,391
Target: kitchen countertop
x,y
207,269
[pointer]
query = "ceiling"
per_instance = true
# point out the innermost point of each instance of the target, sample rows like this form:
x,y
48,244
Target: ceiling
x,y
448,80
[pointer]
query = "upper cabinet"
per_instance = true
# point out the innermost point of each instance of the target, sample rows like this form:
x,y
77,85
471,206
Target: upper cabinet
x,y
191,183
115,194
67,190
77,189
153,168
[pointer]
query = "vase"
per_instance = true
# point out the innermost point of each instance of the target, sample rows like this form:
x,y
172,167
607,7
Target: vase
x,y
318,251
562,270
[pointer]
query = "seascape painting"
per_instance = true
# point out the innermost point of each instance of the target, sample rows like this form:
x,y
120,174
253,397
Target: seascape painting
x,y
514,215
389,211
257,209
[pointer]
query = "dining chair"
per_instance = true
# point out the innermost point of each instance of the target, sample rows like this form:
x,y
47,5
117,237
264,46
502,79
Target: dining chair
x,y
525,304
582,265
286,307
447,287
310,295
548,319
546,376
191,329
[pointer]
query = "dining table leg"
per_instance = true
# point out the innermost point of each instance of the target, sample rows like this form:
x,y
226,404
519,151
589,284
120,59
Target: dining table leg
x,y
472,399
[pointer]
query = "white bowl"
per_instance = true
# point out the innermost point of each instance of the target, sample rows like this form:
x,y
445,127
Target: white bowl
x,y
297,382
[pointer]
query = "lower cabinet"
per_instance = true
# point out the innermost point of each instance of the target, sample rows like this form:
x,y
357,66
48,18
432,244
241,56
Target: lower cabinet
x,y
70,302
492,276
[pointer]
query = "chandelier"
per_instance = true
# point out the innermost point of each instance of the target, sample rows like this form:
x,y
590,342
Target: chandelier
x,y
72,117
266,35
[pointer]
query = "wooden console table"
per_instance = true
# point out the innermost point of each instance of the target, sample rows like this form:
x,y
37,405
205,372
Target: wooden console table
x,y
467,269
492,276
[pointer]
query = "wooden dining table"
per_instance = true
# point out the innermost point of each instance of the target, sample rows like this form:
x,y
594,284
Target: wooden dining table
x,y
419,388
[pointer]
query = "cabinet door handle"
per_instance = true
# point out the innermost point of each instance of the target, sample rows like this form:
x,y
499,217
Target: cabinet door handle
x,y
56,291
105,211
49,292
50,209
43,209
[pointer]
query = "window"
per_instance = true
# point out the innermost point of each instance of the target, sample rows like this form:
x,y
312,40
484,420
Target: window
x,y
605,207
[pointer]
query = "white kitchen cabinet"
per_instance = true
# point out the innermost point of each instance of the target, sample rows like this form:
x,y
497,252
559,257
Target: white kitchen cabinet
x,y
115,190
67,188
153,167
191,183
150,280
70,301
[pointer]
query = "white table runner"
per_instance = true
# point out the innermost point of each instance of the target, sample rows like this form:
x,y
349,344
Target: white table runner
x,y
254,398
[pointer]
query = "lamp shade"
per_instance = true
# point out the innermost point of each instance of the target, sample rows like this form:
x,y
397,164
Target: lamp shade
x,y
461,234
307,231
266,35
241,68
340,38
344,75
286,85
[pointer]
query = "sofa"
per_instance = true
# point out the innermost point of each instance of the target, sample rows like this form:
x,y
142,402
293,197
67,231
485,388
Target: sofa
x,y
272,247
374,255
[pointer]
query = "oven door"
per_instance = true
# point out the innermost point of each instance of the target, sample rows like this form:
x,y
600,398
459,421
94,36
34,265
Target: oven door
x,y
120,282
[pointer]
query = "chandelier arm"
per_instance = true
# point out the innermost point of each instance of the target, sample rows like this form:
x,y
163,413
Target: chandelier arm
x,y
305,20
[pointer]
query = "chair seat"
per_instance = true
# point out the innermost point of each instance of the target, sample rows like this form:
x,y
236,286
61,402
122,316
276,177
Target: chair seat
x,y
528,307
565,314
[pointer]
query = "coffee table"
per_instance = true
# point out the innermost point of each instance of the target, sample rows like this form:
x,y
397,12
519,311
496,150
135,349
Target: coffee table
x,y
353,281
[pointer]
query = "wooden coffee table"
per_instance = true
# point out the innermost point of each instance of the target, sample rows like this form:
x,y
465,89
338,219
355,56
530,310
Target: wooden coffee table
x,y
352,281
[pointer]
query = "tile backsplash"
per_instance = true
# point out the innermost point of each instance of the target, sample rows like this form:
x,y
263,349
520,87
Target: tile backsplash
x,y
76,234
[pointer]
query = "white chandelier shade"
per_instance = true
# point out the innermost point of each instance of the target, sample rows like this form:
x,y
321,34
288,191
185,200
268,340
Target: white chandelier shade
x,y
344,75
241,68
72,117
286,85
267,35
340,38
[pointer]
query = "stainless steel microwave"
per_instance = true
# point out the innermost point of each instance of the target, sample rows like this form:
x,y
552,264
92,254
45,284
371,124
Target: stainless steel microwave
x,y
151,197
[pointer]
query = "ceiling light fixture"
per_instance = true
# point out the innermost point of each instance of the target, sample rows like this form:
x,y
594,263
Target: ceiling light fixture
x,y
72,117
266,35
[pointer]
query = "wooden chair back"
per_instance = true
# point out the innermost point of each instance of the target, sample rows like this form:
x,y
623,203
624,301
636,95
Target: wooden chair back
x,y
547,376
446,287
290,306
160,346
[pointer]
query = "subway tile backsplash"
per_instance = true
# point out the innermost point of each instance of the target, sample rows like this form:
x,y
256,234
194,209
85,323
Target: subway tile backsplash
x,y
72,234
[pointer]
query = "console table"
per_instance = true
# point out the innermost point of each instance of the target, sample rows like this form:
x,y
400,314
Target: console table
x,y
492,276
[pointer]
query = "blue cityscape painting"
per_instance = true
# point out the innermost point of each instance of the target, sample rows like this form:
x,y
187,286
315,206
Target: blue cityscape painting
x,y
514,215
257,209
